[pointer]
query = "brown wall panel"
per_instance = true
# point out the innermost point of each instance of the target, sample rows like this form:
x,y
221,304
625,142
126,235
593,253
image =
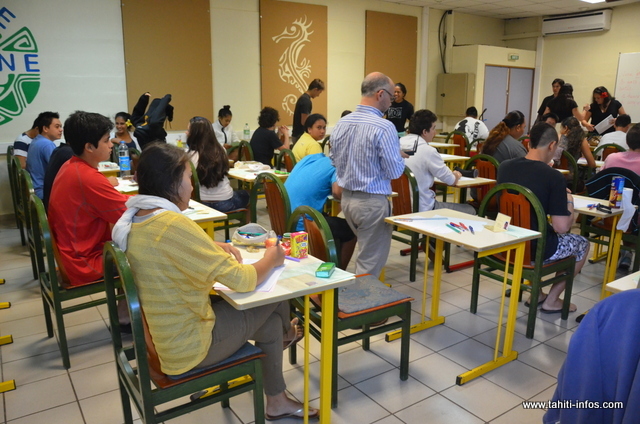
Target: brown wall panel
x,y
391,48
293,52
167,48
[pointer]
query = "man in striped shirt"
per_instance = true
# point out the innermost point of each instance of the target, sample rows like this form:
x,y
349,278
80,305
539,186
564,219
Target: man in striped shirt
x,y
366,153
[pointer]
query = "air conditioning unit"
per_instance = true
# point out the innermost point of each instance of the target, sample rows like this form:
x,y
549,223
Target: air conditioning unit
x,y
598,20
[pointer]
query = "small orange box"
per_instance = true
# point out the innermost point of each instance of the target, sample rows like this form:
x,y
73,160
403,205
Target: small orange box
x,y
299,245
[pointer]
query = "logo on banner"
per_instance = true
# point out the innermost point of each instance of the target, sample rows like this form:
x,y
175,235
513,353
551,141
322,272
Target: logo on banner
x,y
19,67
293,69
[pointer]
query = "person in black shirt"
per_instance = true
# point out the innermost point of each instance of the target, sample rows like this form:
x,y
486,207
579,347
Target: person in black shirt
x,y
602,105
564,105
549,187
400,110
264,140
304,106
556,85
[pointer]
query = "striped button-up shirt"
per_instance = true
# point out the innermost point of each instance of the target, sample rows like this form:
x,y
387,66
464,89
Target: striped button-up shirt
x,y
366,151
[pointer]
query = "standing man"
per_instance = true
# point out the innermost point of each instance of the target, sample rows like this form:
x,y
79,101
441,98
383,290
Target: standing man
x,y
366,153
303,108
40,149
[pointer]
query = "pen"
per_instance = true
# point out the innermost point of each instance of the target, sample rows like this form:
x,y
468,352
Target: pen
x,y
471,229
454,228
291,258
453,224
464,226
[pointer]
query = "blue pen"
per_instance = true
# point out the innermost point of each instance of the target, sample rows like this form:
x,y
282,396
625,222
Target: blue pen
x,y
471,229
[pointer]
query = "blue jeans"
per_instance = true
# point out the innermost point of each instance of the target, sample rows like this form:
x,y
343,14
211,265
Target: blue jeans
x,y
239,200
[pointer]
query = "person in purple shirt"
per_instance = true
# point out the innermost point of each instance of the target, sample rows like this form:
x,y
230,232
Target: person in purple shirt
x,y
40,149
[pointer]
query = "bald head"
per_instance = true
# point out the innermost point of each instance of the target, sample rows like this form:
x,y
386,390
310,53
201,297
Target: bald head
x,y
375,82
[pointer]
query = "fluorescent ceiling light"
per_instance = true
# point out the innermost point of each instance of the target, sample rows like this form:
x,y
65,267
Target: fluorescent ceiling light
x,y
593,1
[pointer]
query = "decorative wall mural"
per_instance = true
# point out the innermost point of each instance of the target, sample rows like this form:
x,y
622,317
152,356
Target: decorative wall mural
x,y
293,52
19,68
292,68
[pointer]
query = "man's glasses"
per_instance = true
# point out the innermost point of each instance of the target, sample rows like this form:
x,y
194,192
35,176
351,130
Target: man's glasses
x,y
390,95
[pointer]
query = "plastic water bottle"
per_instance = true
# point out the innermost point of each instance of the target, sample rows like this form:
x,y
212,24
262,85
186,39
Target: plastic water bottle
x,y
124,161
247,132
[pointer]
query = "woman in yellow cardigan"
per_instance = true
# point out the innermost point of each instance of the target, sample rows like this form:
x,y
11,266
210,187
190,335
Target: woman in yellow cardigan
x,y
175,263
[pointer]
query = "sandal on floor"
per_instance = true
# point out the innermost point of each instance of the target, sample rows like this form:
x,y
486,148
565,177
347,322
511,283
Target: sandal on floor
x,y
540,301
287,344
299,414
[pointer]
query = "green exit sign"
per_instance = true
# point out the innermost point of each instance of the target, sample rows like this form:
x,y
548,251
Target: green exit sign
x,y
513,56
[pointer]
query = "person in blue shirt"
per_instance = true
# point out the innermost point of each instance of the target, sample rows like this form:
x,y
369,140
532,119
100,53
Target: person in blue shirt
x,y
40,149
309,184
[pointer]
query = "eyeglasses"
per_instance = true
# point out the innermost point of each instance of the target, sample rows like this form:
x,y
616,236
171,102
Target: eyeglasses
x,y
390,95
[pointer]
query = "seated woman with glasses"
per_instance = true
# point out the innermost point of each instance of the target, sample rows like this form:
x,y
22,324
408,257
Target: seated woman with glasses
x,y
174,264
212,166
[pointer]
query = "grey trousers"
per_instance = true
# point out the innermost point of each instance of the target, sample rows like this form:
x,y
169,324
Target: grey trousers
x,y
265,325
365,214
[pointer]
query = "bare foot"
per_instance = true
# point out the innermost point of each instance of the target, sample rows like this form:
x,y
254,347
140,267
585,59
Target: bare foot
x,y
557,306
280,406
294,335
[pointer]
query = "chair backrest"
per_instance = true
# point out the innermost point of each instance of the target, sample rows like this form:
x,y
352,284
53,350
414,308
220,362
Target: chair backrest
x,y
134,154
606,149
460,140
525,139
286,158
25,191
245,152
46,251
278,204
319,235
195,182
12,180
408,198
326,142
567,161
525,211
487,167
478,143
599,187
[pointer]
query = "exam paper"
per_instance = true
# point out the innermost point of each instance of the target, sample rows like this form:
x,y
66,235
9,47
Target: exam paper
x,y
604,125
266,286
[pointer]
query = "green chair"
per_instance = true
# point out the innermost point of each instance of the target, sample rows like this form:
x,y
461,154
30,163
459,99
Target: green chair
x,y
13,183
277,198
26,190
20,209
195,182
460,140
326,142
606,149
525,211
142,381
407,201
287,159
478,142
357,306
59,297
245,152
567,161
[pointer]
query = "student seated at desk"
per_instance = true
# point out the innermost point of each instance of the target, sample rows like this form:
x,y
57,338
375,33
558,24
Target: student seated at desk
x,y
223,129
315,128
124,131
175,264
533,172
264,140
629,159
619,136
502,142
40,149
309,184
426,163
22,143
212,165
574,142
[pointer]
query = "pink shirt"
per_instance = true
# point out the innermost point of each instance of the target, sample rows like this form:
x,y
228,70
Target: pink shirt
x,y
629,160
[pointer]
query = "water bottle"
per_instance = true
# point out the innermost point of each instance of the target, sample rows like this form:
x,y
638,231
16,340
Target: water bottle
x,y
123,160
247,132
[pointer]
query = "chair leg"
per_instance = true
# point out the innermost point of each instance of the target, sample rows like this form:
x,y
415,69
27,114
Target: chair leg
x,y
23,240
404,342
126,405
62,337
366,342
533,308
34,265
414,256
223,388
258,397
475,285
226,230
47,316
568,287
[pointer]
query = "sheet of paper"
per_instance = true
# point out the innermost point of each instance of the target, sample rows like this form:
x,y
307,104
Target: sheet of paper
x,y
604,125
266,286
583,203
439,226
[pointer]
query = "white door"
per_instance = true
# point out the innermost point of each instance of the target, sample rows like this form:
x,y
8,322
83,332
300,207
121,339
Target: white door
x,y
496,80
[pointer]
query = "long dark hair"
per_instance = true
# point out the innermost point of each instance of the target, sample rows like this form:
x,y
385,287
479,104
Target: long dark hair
x,y
213,164
160,171
565,96
604,93
574,135
500,131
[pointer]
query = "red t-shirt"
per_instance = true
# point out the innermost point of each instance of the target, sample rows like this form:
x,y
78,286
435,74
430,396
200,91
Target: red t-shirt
x,y
82,205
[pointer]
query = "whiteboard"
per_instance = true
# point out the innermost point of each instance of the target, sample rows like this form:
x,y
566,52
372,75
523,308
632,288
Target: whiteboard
x,y
628,84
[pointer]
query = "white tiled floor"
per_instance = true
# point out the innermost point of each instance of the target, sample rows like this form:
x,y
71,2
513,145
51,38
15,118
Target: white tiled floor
x,y
370,388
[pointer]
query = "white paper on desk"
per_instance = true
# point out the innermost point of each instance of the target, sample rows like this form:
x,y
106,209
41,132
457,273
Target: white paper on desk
x,y
466,179
266,286
604,125
583,203
440,226
627,209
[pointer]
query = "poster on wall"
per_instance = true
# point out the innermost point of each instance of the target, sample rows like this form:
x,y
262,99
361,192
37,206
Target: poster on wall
x,y
293,52
19,67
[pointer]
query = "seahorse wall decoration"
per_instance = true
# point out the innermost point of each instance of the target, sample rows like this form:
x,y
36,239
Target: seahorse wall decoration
x,y
290,69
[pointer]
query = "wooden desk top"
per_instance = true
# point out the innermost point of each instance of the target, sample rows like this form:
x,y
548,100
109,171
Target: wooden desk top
x,y
454,158
482,240
444,145
108,167
298,279
202,213
583,162
127,186
628,282
469,182
250,176
580,205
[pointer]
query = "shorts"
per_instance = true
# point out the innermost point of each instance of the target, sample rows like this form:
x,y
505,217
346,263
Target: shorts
x,y
570,245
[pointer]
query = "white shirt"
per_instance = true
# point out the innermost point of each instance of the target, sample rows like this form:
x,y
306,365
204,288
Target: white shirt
x,y
473,128
224,135
426,163
616,137
222,191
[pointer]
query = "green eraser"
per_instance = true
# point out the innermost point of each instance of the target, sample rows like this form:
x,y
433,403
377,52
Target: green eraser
x,y
325,270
